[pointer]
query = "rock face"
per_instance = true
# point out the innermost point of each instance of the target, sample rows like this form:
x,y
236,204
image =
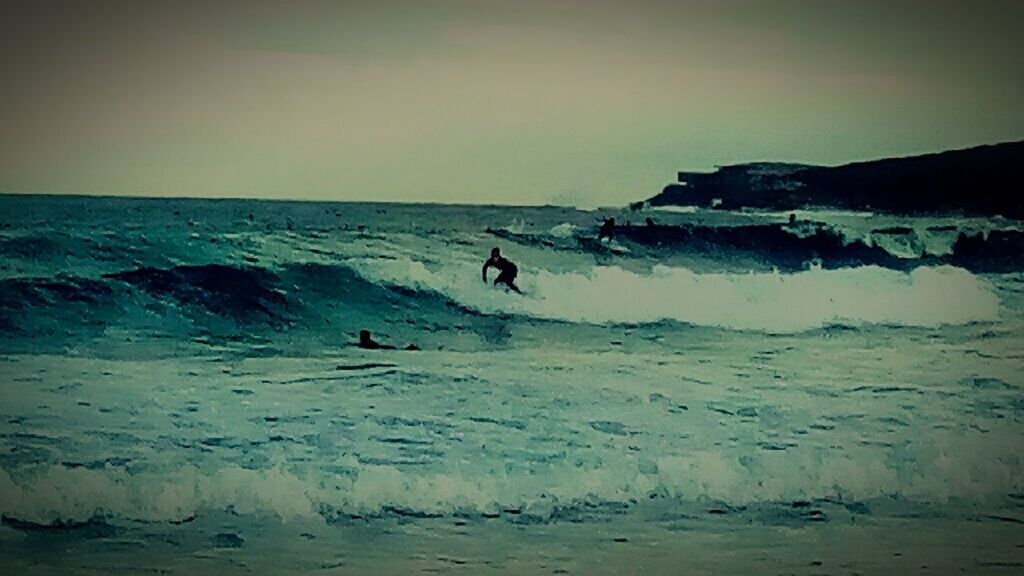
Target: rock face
x,y
982,180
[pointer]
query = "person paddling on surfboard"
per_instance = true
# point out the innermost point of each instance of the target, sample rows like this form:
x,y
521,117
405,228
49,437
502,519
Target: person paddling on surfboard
x,y
368,343
506,270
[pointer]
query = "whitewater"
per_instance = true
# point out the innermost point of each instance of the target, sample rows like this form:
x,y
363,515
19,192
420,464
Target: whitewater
x,y
181,392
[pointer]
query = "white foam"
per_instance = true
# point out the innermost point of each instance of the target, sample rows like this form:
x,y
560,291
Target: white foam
x,y
59,493
675,209
937,470
774,302
564,230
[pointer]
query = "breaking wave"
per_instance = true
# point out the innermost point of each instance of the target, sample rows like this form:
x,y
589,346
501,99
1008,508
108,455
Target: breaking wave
x,y
772,302
55,493
306,294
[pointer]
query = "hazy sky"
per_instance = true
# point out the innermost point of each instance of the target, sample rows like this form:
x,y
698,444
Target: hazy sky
x,y
591,103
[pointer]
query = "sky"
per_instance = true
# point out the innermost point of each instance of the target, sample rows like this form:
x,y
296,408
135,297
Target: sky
x,y
594,103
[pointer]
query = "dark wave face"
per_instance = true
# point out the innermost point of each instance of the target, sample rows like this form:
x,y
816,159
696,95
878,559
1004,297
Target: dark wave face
x,y
245,294
328,303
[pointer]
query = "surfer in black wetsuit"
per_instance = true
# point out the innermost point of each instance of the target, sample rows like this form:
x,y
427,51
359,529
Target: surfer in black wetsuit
x,y
506,270
607,229
368,343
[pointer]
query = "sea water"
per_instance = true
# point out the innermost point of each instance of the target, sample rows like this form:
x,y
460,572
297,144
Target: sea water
x,y
179,392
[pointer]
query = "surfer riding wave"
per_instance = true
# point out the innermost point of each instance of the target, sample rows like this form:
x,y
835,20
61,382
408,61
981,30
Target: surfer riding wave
x,y
507,271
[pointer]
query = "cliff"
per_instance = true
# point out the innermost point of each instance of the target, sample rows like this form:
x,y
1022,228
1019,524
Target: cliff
x,y
982,180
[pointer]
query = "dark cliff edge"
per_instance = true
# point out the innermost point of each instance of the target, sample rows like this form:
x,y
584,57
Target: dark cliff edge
x,y
976,181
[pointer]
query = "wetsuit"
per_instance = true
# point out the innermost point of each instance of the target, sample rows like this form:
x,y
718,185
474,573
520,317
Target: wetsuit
x,y
507,271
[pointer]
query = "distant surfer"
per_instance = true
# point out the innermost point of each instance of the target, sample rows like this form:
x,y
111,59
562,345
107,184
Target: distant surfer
x,y
607,229
368,343
507,271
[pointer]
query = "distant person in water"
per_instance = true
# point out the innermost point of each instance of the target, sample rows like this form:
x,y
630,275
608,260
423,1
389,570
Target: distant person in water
x,y
506,270
368,343
607,229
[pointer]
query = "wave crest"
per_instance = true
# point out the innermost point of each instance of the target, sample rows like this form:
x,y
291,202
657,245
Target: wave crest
x,y
958,468
772,302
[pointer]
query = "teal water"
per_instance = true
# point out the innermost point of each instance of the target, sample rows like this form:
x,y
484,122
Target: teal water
x,y
180,392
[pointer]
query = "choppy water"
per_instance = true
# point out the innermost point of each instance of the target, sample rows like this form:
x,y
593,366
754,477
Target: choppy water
x,y
180,391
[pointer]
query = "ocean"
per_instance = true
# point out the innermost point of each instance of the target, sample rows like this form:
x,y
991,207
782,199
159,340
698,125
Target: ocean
x,y
709,392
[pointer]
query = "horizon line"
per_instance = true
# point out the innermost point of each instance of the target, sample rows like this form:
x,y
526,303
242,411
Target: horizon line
x,y
626,205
